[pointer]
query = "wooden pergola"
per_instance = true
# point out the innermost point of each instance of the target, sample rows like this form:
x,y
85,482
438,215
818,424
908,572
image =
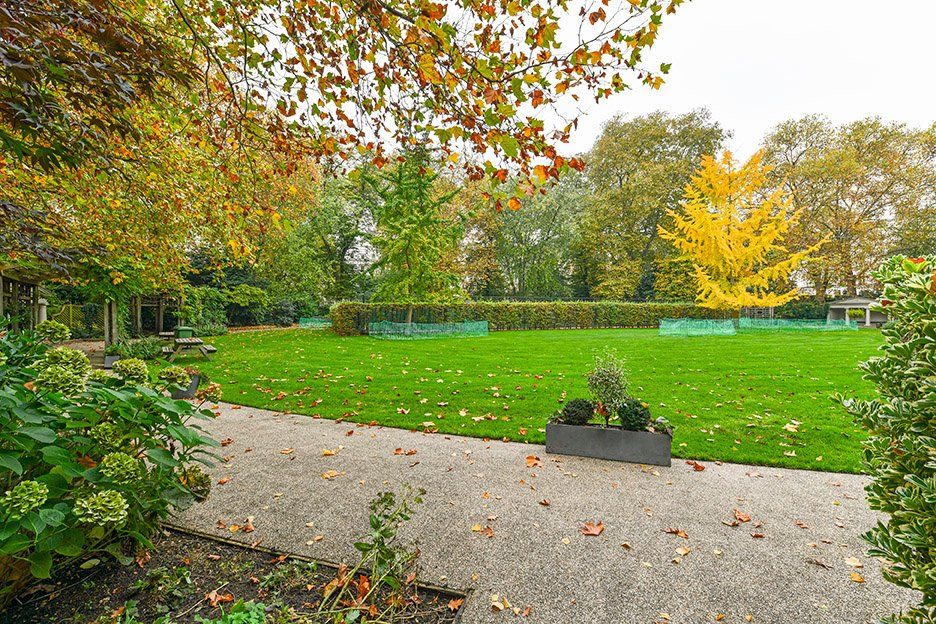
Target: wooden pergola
x,y
19,297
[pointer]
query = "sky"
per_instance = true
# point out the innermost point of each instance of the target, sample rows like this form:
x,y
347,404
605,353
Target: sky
x,y
755,63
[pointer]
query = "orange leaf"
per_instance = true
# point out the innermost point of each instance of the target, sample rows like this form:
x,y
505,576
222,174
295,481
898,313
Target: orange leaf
x,y
214,598
592,529
455,603
532,461
740,516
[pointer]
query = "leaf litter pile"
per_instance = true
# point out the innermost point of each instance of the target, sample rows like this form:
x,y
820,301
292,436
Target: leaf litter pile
x,y
192,579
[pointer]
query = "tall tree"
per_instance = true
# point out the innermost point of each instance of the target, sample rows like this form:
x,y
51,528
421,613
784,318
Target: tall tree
x,y
415,241
865,188
636,172
732,229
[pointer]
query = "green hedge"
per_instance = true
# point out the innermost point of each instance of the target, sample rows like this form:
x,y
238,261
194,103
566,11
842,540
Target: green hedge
x,y
351,318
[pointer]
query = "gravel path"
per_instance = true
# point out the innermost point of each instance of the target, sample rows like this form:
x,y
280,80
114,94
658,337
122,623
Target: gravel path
x,y
793,561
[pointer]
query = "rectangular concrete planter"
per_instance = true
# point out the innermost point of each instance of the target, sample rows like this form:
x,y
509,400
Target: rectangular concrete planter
x,y
109,361
640,447
187,393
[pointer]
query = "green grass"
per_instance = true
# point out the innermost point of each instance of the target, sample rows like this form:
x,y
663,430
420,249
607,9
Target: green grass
x,y
728,396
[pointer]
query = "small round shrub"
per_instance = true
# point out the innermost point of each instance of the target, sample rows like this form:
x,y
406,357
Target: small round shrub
x,y
634,415
24,497
132,370
608,384
174,376
102,508
53,331
578,412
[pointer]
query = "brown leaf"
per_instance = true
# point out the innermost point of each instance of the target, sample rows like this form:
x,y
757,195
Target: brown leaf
x,y
695,465
214,598
544,502
227,441
455,603
532,461
248,526
223,480
818,562
757,535
287,451
592,529
740,516
676,532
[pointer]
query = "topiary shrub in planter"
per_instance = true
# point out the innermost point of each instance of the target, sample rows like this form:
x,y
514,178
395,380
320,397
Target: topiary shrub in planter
x,y
634,415
577,412
636,439
89,462
900,451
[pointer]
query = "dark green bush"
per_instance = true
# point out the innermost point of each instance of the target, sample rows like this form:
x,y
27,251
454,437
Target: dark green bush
x,y
577,412
140,348
90,463
901,421
350,318
283,313
803,308
634,415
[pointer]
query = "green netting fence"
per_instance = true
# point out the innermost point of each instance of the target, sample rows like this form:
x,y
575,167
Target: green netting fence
x,y
697,327
727,327
315,322
388,330
764,324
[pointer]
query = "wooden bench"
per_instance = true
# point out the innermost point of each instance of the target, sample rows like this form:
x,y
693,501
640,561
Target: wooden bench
x,y
207,350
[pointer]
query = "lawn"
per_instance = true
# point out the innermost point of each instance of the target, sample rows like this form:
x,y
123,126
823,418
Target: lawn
x,y
752,398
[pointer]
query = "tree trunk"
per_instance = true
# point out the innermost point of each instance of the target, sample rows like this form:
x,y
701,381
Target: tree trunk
x,y
409,314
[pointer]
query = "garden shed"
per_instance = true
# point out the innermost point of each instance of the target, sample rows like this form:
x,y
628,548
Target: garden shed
x,y
838,311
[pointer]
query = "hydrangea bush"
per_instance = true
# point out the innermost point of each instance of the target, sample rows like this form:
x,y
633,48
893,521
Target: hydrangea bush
x,y
900,454
89,462
53,331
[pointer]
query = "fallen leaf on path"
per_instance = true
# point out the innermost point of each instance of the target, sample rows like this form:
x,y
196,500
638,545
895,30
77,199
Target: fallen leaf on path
x,y
331,474
818,562
400,451
853,562
532,461
856,577
592,529
223,480
696,465
544,502
287,451
740,516
676,532
227,441
249,527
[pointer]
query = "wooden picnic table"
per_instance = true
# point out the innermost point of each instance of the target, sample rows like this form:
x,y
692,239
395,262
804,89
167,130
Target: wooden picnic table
x,y
184,344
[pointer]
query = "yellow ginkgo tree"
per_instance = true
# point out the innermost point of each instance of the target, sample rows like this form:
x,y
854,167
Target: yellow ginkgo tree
x,y
732,228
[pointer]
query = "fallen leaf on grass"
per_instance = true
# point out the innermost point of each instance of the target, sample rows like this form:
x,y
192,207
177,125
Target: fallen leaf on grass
x,y
214,598
592,529
532,461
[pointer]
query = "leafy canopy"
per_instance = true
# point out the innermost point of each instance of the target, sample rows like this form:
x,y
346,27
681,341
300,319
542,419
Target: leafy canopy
x,y
733,233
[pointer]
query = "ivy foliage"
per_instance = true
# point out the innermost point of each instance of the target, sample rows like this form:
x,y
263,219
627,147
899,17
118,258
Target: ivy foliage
x,y
900,454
